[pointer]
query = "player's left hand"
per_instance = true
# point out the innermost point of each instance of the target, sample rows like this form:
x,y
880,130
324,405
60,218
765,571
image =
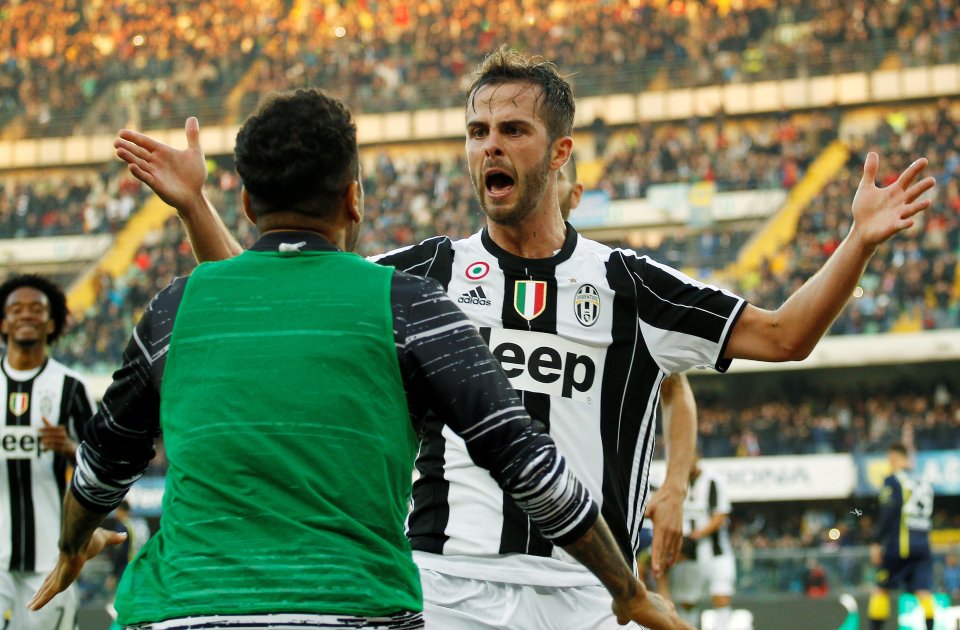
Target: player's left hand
x,y
54,438
879,213
649,610
666,511
69,566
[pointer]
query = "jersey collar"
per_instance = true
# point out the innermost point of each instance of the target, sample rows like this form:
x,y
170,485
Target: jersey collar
x,y
292,241
512,260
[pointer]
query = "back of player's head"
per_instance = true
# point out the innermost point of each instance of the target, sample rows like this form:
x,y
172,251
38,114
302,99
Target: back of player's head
x,y
897,447
55,296
297,152
555,103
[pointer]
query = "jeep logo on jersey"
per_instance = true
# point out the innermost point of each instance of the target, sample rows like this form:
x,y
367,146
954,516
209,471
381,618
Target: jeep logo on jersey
x,y
19,403
530,298
477,270
587,305
20,443
547,364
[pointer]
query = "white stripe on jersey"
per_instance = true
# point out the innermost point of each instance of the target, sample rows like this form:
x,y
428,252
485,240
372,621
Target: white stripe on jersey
x,y
45,401
640,471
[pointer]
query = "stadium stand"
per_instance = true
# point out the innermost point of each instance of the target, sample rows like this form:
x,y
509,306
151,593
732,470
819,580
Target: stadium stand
x,y
99,65
70,68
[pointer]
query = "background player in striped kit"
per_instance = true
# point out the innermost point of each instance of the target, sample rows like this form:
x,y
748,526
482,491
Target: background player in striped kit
x,y
585,332
901,547
711,568
46,406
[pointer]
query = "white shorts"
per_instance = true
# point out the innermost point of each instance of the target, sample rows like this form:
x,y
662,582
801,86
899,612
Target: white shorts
x,y
721,575
17,588
456,603
692,580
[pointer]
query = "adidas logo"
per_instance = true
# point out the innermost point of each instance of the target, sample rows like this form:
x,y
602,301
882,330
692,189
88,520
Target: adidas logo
x,y
476,296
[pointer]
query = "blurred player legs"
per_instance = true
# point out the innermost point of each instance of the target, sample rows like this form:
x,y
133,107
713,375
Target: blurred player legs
x,y
61,614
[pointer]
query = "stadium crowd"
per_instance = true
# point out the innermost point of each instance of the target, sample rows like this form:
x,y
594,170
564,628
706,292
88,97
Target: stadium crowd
x,y
763,152
908,285
87,201
817,423
149,63
58,58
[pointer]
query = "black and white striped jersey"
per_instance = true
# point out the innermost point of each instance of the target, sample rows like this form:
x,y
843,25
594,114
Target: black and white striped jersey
x,y
586,337
32,479
707,496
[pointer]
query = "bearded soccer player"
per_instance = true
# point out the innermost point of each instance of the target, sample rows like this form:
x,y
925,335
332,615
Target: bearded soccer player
x,y
47,405
586,333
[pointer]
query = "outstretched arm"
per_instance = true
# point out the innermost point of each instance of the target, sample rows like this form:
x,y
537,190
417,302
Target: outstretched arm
x,y
791,332
666,506
81,538
177,177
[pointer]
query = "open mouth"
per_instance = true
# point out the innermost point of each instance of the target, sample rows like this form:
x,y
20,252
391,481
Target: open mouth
x,y
498,182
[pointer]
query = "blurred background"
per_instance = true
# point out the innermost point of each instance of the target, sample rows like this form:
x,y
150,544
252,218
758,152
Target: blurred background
x,y
725,138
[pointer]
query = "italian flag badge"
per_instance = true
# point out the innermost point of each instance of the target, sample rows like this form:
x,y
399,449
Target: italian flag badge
x,y
530,298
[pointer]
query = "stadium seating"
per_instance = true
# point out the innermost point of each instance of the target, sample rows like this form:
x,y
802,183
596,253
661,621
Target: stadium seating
x,y
62,72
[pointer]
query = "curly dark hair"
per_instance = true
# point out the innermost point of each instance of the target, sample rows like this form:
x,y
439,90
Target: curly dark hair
x,y
297,152
55,295
507,65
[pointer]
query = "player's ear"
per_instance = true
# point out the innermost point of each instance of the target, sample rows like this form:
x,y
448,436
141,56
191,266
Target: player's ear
x,y
353,202
576,194
247,206
560,151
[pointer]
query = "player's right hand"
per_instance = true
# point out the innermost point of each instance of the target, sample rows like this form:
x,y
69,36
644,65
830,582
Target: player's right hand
x,y
177,177
68,566
649,610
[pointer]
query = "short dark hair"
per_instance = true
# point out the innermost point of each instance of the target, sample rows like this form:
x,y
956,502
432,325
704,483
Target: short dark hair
x,y
297,152
507,65
55,295
897,447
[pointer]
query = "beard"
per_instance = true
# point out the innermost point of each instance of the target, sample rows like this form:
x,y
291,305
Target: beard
x,y
533,187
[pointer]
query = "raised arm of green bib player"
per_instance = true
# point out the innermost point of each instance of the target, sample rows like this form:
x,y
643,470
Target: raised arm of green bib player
x,y
790,332
177,177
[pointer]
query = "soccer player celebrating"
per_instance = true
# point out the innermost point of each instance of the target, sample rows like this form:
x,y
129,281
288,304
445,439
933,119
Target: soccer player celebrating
x,y
47,406
902,540
585,332
291,406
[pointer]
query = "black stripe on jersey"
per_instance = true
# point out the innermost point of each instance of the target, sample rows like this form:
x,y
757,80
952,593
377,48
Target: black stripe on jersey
x,y
23,549
517,535
75,411
659,295
712,505
627,376
431,508
432,258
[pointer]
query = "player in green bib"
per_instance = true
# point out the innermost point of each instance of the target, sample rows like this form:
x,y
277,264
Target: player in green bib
x,y
290,384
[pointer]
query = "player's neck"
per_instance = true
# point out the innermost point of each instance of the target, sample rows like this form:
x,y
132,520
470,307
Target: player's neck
x,y
538,236
26,358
